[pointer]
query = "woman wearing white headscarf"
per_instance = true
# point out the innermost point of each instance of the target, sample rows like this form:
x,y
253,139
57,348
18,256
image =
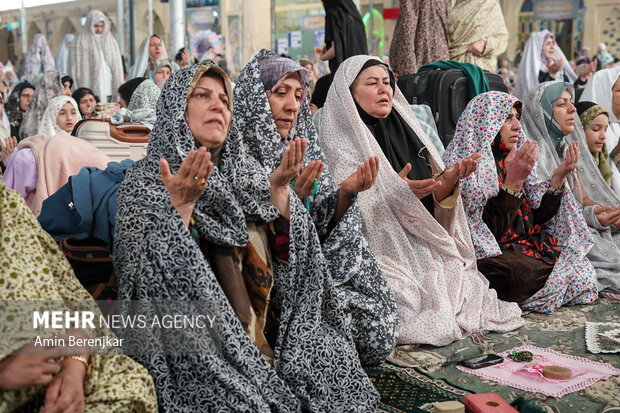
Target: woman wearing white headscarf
x,y
551,119
604,89
151,54
94,57
39,59
63,53
48,87
542,61
141,107
427,258
44,162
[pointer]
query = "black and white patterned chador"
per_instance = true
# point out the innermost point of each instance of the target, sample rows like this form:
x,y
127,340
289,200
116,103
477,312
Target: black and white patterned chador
x,y
361,287
315,368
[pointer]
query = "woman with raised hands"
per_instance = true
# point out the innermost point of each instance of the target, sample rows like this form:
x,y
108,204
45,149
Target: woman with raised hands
x,y
529,234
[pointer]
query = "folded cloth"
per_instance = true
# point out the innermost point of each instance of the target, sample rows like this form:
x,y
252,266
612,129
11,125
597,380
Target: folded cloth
x,y
585,372
603,337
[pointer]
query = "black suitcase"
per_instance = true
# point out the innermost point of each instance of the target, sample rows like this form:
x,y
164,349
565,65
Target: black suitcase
x,y
447,94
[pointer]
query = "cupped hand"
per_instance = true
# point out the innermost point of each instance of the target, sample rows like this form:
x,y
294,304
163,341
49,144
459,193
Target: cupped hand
x,y
421,188
292,162
554,66
461,169
304,182
606,216
570,162
519,164
363,178
190,181
8,147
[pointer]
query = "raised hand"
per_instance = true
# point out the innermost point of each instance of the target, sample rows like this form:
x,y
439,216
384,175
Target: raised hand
x,y
186,186
279,180
519,164
566,167
8,147
363,178
606,216
304,183
461,169
554,66
421,188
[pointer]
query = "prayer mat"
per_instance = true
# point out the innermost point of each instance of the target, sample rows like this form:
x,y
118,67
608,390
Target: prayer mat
x,y
528,375
603,337
408,389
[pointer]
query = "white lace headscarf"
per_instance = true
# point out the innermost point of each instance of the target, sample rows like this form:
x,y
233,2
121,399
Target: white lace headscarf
x,y
85,56
39,59
534,61
48,126
62,55
143,59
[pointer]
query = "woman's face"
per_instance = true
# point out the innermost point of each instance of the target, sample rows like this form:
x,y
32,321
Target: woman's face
x,y
162,73
285,103
595,133
549,48
155,48
208,116
564,113
510,129
99,26
66,88
25,97
373,92
67,117
615,98
86,103
9,77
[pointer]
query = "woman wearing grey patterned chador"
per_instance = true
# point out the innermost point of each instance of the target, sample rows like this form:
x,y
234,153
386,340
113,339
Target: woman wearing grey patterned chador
x,y
271,110
94,57
551,119
39,59
49,86
183,236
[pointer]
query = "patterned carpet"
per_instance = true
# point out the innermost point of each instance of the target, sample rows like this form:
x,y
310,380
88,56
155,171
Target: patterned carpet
x,y
439,380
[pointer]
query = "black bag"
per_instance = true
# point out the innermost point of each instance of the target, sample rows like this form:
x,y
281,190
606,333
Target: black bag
x,y
447,94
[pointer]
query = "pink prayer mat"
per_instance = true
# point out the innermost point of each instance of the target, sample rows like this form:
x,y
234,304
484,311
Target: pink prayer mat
x,y
528,375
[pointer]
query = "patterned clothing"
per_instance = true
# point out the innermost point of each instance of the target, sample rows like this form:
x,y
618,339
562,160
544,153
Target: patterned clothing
x,y
13,111
605,252
48,125
49,87
428,260
573,280
472,20
421,35
315,367
368,303
526,235
113,381
587,112
39,59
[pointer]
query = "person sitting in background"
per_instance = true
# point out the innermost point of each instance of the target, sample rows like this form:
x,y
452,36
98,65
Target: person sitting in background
x,y
18,104
163,72
50,85
43,163
67,84
529,234
585,69
141,107
86,100
125,91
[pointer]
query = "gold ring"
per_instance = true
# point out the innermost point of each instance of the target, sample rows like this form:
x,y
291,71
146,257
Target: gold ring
x,y
202,181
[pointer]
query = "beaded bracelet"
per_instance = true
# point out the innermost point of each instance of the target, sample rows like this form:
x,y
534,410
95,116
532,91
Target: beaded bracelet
x,y
314,191
521,356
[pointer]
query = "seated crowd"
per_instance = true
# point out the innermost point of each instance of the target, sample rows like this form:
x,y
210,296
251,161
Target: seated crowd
x,y
320,250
